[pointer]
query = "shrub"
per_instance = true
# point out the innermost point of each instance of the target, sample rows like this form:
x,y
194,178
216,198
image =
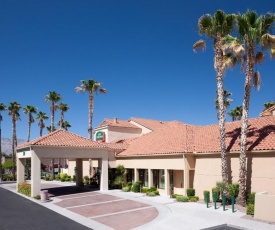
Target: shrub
x,y
222,186
190,192
194,198
62,179
215,191
182,199
156,192
125,189
57,177
175,195
251,198
136,186
205,194
86,180
250,209
151,194
37,197
68,179
74,178
153,188
233,189
24,188
7,177
129,184
145,190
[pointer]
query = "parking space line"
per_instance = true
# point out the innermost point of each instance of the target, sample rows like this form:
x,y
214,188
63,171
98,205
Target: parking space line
x,y
76,197
104,202
121,212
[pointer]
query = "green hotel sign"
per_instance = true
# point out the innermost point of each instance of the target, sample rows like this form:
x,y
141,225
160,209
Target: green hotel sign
x,y
100,136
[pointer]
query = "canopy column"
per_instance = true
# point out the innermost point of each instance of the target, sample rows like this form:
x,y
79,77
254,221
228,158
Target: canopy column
x,y
35,174
104,174
20,162
79,172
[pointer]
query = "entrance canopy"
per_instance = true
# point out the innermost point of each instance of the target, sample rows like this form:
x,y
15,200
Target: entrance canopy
x,y
63,144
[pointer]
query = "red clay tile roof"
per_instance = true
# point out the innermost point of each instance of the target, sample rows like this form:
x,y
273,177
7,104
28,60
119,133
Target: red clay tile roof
x,y
267,112
176,137
65,138
117,123
148,123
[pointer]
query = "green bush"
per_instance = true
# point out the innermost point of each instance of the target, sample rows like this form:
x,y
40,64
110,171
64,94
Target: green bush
x,y
175,195
250,209
62,179
57,177
153,188
251,198
222,187
86,180
156,192
74,178
205,194
125,189
190,192
7,177
37,197
136,186
145,190
129,184
24,188
194,198
233,189
215,191
68,179
151,194
182,199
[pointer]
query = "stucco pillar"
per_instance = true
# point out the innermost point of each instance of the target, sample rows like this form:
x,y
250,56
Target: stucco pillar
x,y
136,175
167,181
20,167
79,172
186,180
150,178
104,174
35,174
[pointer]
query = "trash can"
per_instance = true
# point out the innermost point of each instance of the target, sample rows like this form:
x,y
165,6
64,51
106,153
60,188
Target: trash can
x,y
44,195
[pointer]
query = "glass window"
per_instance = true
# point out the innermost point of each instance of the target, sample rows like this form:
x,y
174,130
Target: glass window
x,y
146,183
161,179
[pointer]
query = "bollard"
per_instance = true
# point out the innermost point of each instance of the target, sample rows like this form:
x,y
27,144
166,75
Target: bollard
x,y
233,202
215,200
207,200
223,202
44,195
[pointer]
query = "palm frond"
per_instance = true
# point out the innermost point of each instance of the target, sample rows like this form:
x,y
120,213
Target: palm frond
x,y
272,53
102,90
205,25
79,89
199,45
268,41
257,80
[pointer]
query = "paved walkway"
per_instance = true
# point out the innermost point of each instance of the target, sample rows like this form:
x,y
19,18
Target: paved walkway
x,y
114,209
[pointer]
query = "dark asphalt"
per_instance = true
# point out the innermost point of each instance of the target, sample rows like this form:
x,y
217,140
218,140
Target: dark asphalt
x,y
18,213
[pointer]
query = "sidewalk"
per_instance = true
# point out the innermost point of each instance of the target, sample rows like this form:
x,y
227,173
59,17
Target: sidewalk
x,y
171,214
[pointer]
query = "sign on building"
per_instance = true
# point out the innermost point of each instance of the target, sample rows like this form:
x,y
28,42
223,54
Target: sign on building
x,y
100,136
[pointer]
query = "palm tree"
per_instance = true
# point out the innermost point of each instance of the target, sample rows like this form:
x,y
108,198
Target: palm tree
x,y
269,104
91,87
14,109
216,28
29,109
49,128
65,125
52,98
226,99
2,108
63,108
41,116
253,29
236,114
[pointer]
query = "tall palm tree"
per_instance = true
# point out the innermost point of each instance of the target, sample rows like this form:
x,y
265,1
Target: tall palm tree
x,y
65,125
63,108
269,104
29,109
236,114
216,28
41,116
52,98
91,87
2,108
14,109
49,128
253,30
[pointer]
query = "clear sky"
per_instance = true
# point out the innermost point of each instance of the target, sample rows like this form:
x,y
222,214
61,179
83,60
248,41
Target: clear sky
x,y
141,51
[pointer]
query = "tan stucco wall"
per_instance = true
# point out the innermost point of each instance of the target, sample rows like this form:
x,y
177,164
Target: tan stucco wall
x,y
85,163
264,206
158,162
117,133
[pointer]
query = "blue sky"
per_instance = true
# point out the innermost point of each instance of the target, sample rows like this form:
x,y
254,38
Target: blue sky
x,y
141,51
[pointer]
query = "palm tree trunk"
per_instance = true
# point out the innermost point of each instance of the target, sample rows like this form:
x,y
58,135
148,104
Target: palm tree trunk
x,y
219,78
41,128
91,108
14,143
242,159
52,116
61,119
29,127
